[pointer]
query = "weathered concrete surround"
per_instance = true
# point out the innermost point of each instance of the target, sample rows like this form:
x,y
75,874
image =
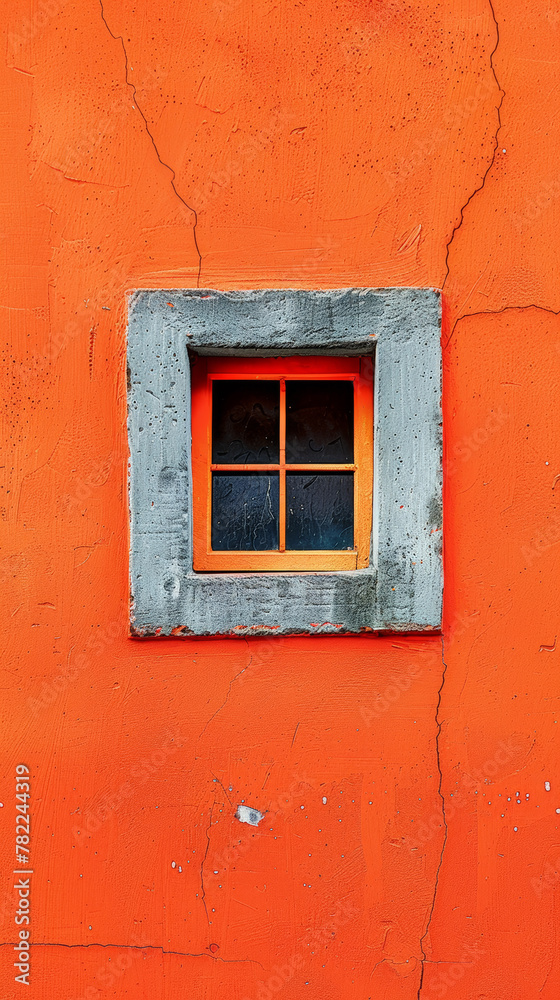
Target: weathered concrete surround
x,y
402,588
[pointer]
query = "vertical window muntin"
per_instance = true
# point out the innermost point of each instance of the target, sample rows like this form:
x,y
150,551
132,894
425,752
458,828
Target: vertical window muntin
x,y
284,371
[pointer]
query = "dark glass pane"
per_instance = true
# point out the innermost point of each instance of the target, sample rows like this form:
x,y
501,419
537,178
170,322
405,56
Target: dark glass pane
x,y
245,422
320,510
319,421
244,510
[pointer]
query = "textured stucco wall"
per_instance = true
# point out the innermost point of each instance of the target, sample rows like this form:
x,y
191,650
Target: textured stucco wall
x,y
409,845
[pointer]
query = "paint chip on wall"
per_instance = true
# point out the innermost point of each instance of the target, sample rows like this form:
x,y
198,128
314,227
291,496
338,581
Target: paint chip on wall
x,y
247,815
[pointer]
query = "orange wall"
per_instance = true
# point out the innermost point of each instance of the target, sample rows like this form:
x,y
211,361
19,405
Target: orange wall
x,y
324,144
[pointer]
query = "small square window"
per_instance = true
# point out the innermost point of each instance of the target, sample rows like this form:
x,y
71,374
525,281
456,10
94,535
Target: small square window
x,y
282,460
285,461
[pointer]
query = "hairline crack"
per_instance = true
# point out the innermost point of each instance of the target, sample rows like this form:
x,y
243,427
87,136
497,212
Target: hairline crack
x,y
439,723
129,83
476,191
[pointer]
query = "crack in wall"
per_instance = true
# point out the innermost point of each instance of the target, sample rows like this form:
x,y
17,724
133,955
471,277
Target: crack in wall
x,y
225,701
136,947
222,786
497,312
550,968
81,180
203,862
439,723
119,38
445,961
480,187
393,961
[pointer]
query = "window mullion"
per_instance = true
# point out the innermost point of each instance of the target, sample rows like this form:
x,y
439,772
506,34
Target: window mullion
x,y
282,472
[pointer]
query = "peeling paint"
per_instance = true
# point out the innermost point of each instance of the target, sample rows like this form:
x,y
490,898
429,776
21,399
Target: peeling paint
x,y
245,814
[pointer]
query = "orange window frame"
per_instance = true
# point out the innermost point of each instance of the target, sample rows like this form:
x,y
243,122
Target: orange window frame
x,y
205,370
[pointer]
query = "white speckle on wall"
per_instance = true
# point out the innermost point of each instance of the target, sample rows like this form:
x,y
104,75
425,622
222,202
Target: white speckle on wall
x,y
547,786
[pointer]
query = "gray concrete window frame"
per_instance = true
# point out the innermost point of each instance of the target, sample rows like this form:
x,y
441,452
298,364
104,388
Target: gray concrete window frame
x,y
402,588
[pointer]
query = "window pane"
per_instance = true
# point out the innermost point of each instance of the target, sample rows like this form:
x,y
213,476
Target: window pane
x,y
245,511
320,510
319,421
245,422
